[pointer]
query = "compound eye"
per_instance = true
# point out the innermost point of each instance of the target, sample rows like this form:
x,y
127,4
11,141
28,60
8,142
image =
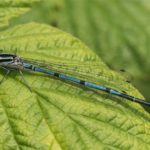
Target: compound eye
x,y
16,59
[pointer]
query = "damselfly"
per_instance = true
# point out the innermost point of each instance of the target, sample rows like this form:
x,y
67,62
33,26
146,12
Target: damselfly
x,y
11,61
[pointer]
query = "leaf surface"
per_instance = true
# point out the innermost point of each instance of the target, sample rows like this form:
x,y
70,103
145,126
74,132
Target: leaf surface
x,y
118,31
13,8
58,115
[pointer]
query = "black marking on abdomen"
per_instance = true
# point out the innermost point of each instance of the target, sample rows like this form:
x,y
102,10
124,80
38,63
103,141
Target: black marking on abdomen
x,y
82,82
31,67
108,90
56,74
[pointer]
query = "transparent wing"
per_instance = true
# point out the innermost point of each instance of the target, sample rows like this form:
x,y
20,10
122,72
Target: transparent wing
x,y
59,67
83,71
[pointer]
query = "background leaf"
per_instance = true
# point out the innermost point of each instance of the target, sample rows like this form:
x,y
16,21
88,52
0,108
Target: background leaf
x,y
58,115
13,8
117,30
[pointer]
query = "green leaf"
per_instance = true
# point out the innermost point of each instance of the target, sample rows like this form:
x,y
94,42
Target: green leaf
x,y
117,27
13,8
117,30
58,115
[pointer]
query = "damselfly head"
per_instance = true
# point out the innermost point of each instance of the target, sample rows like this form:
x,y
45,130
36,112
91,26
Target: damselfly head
x,y
6,59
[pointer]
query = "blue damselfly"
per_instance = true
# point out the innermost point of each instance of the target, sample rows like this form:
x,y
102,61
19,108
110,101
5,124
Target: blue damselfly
x,y
11,61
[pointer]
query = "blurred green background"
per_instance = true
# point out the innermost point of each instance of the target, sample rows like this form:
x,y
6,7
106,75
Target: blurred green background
x,y
117,30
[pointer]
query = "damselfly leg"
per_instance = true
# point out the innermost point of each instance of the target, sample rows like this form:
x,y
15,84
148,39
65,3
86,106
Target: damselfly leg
x,y
26,83
6,74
